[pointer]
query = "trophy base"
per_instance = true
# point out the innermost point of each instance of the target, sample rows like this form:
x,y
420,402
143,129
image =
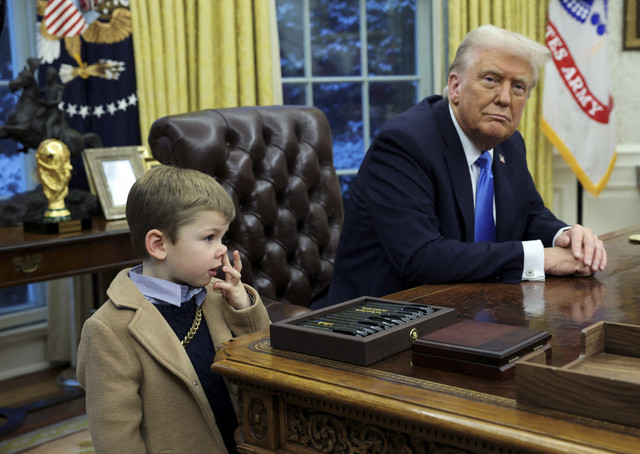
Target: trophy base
x,y
69,226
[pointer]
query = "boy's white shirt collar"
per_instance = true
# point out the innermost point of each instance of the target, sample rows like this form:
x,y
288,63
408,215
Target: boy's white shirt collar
x,y
160,291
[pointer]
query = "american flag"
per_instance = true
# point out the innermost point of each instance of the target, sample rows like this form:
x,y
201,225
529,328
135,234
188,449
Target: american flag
x,y
62,18
102,102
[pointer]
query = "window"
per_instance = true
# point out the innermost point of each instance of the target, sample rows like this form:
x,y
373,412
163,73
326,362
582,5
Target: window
x,y
23,304
17,43
360,62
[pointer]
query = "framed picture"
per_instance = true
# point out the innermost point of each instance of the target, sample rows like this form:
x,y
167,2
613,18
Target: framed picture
x,y
631,28
111,173
147,158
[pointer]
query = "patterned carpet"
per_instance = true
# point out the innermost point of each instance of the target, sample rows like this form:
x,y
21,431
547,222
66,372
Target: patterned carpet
x,y
67,437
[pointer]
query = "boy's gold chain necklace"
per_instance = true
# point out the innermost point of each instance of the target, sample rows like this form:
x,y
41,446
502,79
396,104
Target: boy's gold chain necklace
x,y
194,327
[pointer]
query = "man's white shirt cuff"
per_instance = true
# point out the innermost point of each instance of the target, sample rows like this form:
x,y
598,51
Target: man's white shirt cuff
x,y
563,229
533,269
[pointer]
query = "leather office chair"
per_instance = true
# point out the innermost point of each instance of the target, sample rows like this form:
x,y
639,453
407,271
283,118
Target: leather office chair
x,y
276,163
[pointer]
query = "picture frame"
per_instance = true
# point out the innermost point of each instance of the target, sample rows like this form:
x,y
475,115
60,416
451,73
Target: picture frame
x,y
631,26
147,158
111,173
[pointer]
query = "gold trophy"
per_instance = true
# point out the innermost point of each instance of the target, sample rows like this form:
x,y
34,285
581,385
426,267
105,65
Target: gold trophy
x,y
54,172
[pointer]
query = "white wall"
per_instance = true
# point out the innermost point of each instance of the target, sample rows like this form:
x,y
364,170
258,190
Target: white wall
x,y
625,86
22,350
616,207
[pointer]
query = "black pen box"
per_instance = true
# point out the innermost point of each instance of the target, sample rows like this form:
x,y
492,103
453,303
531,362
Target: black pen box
x,y
346,332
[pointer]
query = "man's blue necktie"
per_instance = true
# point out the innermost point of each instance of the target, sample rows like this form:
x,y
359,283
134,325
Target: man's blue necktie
x,y
485,226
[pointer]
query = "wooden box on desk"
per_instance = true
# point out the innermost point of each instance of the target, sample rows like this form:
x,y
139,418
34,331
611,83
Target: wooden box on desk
x,y
603,383
290,335
482,349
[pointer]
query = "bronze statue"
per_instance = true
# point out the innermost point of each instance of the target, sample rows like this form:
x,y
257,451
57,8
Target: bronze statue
x,y
33,118
27,119
53,95
54,172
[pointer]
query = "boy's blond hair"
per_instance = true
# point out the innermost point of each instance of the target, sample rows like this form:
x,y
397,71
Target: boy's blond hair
x,y
167,197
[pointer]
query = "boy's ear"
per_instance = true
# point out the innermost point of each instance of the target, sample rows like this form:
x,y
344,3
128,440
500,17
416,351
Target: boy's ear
x,y
154,242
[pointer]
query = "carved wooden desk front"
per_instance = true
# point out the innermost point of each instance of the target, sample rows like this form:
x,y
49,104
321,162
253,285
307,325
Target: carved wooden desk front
x,y
297,403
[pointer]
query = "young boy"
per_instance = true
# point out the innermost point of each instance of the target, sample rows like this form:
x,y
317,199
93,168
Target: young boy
x,y
144,357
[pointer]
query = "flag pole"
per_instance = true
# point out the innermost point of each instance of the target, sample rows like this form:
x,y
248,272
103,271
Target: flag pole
x,y
579,204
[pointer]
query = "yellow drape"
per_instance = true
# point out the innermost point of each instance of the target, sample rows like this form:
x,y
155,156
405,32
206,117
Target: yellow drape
x,y
529,18
202,54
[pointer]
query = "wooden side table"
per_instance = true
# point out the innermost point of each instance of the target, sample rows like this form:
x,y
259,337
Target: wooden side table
x,y
26,258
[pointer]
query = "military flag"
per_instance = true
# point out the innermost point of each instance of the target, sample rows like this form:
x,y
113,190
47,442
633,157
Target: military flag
x,y
577,113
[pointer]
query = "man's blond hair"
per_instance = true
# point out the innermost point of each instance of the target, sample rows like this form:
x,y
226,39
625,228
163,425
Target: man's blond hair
x,y
489,36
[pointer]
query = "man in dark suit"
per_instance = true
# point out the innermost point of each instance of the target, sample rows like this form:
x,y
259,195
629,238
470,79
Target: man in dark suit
x,y
410,217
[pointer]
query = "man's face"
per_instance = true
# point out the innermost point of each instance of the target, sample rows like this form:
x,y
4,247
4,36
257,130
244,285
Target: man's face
x,y
489,96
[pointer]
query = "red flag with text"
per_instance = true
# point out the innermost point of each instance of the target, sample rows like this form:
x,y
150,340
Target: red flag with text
x,y
577,112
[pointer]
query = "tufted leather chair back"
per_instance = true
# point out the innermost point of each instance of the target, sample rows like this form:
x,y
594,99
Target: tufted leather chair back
x,y
276,163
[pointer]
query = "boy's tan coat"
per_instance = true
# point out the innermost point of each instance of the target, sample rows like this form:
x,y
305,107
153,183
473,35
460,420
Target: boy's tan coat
x,y
139,380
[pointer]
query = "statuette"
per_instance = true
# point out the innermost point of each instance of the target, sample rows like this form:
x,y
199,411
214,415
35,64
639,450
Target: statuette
x,y
54,172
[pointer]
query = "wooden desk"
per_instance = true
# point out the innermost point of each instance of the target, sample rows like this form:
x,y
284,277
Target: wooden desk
x,y
26,258
297,403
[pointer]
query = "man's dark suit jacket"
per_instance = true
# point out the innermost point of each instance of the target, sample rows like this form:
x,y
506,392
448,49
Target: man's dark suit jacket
x,y
410,216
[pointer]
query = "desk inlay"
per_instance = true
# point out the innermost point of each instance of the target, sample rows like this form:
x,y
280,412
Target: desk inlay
x,y
294,403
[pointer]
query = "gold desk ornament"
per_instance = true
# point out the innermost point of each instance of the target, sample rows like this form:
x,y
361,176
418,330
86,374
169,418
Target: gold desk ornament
x,y
54,172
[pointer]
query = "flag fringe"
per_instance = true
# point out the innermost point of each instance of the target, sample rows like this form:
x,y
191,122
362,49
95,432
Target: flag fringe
x,y
593,188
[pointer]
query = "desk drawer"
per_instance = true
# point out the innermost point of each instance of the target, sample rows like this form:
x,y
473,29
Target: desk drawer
x,y
53,261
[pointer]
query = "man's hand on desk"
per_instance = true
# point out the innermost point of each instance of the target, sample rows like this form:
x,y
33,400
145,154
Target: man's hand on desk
x,y
585,245
578,251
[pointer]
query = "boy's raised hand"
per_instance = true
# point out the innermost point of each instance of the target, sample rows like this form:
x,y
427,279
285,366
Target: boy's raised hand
x,y
232,288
